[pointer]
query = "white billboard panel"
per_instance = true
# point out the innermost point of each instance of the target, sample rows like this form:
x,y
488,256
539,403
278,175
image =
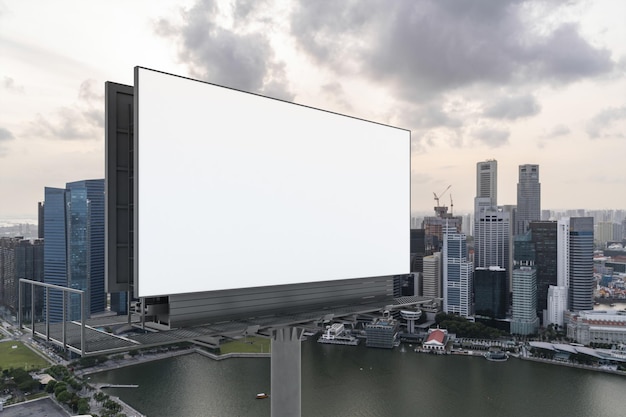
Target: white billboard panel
x,y
237,190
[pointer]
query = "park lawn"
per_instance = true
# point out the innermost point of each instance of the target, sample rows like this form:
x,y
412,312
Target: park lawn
x,y
250,344
20,357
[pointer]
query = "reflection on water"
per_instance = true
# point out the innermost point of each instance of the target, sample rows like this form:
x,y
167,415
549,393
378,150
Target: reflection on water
x,y
357,381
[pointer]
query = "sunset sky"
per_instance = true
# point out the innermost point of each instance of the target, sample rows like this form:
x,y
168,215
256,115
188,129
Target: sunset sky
x,y
540,82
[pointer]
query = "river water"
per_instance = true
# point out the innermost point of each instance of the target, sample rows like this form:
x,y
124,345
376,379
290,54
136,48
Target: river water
x,y
357,381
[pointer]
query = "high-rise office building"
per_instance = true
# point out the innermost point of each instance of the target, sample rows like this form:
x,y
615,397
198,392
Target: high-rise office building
x,y
523,250
512,211
603,233
19,258
29,265
581,263
562,253
544,238
528,198
492,224
618,232
434,227
74,245
491,292
492,239
431,283
457,274
557,304
418,249
8,276
487,180
524,308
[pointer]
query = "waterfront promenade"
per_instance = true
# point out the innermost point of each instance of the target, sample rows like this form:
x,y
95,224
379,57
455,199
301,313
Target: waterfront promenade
x,y
572,365
150,357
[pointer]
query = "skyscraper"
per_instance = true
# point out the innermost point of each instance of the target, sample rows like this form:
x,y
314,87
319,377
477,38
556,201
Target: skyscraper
x,y
491,292
8,274
544,238
434,227
581,263
74,245
491,223
557,304
492,239
528,198
457,274
562,253
418,249
487,180
432,276
29,265
524,309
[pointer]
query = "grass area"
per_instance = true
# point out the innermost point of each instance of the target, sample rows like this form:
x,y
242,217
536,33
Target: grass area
x,y
249,344
20,357
38,395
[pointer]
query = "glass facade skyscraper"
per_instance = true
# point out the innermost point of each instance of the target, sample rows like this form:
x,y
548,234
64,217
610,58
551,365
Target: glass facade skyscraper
x,y
581,264
524,308
544,237
74,245
491,292
457,275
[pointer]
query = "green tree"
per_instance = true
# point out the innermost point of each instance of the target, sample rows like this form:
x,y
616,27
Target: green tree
x,y
112,406
100,397
63,396
29,386
59,387
83,406
50,386
59,372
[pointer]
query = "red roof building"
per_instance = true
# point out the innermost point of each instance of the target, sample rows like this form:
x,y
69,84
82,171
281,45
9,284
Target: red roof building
x,y
436,339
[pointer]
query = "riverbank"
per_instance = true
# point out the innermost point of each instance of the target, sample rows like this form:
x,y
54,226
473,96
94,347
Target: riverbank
x,y
112,364
573,365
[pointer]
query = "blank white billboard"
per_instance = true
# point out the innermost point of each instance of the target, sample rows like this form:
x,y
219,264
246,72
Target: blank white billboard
x,y
237,190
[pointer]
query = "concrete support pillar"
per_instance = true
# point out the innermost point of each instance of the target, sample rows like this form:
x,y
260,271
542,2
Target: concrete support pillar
x,y
286,373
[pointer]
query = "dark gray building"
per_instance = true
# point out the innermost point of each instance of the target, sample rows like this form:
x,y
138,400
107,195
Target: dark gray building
x,y
418,250
491,294
544,238
381,333
19,258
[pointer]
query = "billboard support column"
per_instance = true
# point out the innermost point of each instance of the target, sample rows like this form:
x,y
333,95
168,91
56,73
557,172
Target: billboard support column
x,y
286,373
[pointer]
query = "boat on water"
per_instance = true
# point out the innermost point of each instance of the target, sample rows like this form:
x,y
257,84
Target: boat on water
x,y
261,395
496,356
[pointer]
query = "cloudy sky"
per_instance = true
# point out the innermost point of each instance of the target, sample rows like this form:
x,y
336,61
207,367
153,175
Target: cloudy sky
x,y
518,81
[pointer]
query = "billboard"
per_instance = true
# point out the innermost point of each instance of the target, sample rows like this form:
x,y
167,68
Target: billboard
x,y
236,190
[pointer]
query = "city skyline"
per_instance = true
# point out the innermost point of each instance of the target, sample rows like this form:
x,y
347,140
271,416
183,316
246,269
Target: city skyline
x,y
543,84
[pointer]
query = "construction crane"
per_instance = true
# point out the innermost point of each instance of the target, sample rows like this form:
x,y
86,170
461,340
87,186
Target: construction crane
x,y
441,194
439,210
451,206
